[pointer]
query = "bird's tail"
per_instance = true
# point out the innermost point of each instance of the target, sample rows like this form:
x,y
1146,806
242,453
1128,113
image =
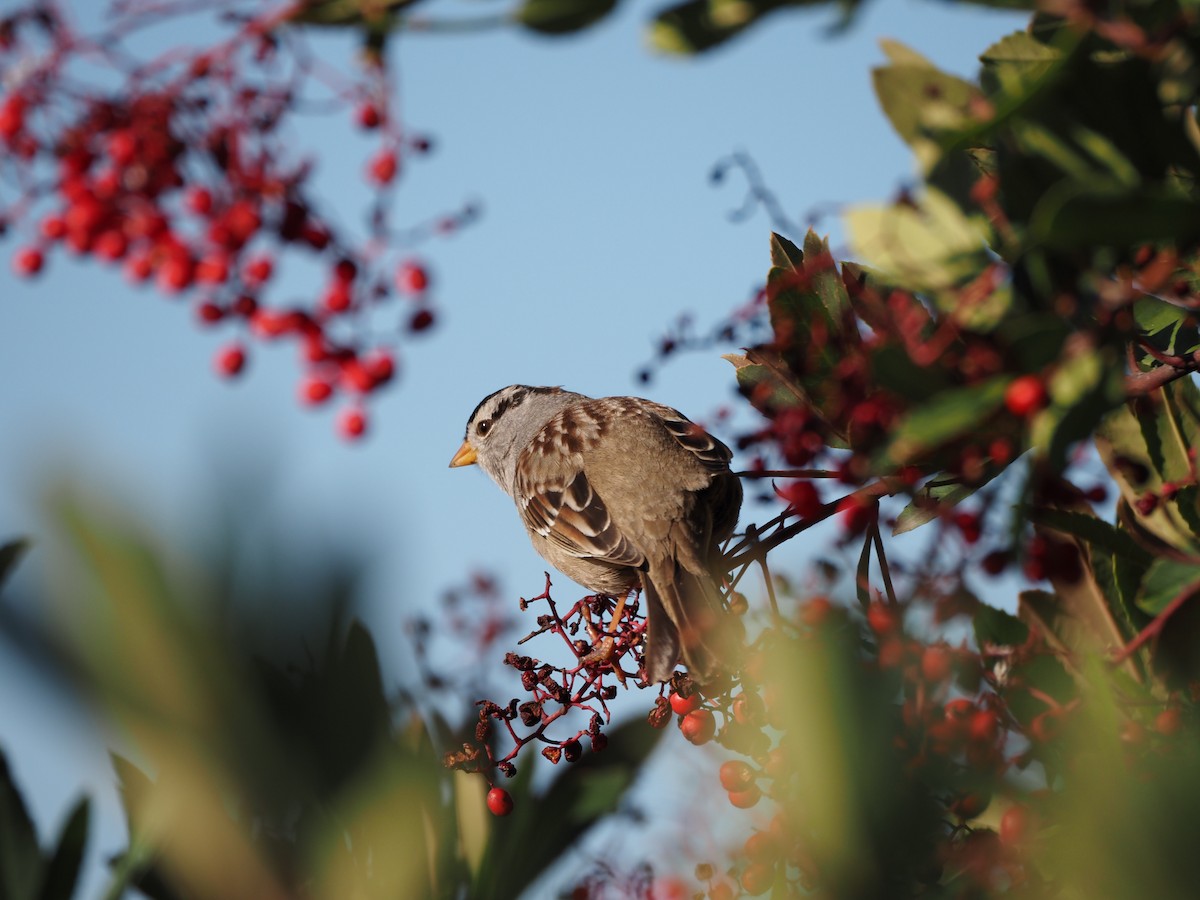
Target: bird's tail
x,y
687,619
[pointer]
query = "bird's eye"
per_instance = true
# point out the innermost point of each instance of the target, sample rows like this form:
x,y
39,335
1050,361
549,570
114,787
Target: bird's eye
x,y
484,427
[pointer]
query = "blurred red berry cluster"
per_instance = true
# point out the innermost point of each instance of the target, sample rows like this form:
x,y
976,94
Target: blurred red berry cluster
x,y
185,171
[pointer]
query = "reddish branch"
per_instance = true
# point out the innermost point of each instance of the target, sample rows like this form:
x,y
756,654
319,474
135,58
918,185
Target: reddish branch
x,y
1154,629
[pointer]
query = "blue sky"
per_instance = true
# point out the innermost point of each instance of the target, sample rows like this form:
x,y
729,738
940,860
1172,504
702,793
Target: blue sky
x,y
590,157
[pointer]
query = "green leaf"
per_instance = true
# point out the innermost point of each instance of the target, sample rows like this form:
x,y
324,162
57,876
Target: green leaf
x,y
1093,530
133,788
697,26
10,554
826,281
341,13
1041,672
1075,216
943,491
946,416
997,628
1019,48
929,245
918,98
1150,439
562,16
62,871
20,857
785,254
1166,580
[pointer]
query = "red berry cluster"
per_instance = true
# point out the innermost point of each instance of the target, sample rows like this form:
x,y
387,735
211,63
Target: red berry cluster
x,y
186,178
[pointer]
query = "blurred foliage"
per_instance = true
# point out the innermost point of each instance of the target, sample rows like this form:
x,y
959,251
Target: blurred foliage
x,y
259,767
1027,309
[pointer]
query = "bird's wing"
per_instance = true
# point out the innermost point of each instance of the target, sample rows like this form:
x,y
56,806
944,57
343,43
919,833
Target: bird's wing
x,y
557,501
710,452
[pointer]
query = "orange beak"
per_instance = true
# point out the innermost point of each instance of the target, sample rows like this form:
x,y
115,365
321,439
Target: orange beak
x,y
464,457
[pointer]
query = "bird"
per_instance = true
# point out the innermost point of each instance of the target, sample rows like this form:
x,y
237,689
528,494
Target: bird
x,y
620,493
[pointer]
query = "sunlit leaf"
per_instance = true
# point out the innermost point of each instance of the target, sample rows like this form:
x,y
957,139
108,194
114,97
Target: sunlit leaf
x,y
1165,581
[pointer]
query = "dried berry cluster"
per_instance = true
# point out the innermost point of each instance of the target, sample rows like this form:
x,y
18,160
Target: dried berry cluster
x,y
604,649
185,175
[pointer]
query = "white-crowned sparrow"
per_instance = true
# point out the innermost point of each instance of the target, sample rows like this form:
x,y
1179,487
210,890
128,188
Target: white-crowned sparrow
x,y
619,493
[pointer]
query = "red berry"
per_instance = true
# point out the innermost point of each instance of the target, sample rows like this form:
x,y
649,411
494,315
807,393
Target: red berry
x,y
337,297
412,278
240,223
314,391
199,200
995,562
499,801
382,169
356,375
698,726
984,727
213,268
735,775
12,116
269,323
53,227
345,271
122,147
970,805
230,360
421,320
803,498
110,245
882,619
684,705
747,708
28,261
761,845
257,271
1015,825
209,313
970,525
745,799
245,306
936,664
369,116
138,268
1169,721
959,710
353,424
856,513
816,611
1025,396
175,274
381,366
758,878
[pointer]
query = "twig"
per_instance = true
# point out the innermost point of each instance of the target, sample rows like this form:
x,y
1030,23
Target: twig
x,y
1154,629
